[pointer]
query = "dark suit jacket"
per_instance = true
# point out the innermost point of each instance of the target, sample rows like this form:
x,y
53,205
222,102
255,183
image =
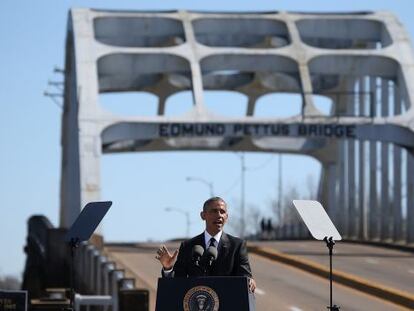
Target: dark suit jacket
x,y
232,258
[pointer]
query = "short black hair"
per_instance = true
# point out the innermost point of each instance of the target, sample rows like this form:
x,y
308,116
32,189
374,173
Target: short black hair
x,y
211,200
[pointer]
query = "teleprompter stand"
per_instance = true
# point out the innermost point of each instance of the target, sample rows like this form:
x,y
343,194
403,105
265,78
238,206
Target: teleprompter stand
x,y
321,228
81,230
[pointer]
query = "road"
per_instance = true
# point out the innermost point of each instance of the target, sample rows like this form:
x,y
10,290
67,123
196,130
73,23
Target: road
x,y
287,288
388,267
280,287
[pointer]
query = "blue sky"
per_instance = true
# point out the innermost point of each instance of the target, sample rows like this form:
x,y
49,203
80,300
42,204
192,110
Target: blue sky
x,y
140,184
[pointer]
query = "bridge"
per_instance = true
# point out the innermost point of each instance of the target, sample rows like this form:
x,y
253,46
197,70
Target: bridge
x,y
361,61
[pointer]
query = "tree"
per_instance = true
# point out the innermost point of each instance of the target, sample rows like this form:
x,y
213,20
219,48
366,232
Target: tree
x,y
289,214
311,187
9,283
252,219
286,213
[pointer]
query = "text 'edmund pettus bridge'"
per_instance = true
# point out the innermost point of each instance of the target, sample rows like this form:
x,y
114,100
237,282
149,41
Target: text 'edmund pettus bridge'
x,y
256,129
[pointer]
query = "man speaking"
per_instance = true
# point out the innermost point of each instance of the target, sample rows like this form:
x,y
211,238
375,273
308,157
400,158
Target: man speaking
x,y
213,252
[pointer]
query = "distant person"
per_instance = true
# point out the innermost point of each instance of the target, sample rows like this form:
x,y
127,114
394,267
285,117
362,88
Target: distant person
x,y
263,228
269,228
232,259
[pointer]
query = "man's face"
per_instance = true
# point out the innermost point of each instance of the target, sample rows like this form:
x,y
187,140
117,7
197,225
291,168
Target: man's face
x,y
215,216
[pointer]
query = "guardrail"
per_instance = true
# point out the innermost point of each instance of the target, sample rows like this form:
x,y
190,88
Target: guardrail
x,y
98,280
98,275
35,273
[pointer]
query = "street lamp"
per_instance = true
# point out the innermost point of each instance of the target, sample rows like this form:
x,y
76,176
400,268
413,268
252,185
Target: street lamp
x,y
209,184
186,214
243,192
279,204
243,189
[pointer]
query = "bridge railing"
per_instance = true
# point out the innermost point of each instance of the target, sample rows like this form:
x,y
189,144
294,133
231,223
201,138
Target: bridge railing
x,y
99,275
98,280
35,275
291,230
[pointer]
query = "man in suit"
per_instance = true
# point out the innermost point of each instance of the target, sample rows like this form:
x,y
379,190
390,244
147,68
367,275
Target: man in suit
x,y
232,259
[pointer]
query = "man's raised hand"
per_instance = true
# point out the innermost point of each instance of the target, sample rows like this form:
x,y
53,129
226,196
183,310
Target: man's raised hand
x,y
252,285
166,259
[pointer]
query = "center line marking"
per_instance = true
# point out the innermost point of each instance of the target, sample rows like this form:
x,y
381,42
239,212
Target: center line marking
x,y
293,308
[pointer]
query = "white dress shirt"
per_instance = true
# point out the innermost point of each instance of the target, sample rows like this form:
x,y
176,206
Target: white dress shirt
x,y
207,238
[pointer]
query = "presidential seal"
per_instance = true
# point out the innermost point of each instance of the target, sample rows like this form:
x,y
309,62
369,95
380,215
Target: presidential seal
x,y
201,298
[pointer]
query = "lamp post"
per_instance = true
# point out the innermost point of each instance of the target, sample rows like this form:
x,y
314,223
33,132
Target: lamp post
x,y
279,203
207,183
185,213
243,195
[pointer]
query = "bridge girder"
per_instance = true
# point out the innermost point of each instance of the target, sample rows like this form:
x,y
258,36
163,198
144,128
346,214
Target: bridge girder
x,y
361,61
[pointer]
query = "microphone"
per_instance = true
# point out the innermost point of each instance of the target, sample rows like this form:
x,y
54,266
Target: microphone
x,y
210,256
196,254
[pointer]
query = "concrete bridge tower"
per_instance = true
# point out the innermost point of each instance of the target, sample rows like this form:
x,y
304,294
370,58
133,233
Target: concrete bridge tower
x,y
362,61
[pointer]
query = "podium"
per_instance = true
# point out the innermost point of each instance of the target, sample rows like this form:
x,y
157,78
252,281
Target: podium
x,y
204,293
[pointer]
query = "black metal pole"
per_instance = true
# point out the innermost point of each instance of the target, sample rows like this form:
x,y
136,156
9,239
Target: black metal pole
x,y
330,277
330,243
74,243
72,276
